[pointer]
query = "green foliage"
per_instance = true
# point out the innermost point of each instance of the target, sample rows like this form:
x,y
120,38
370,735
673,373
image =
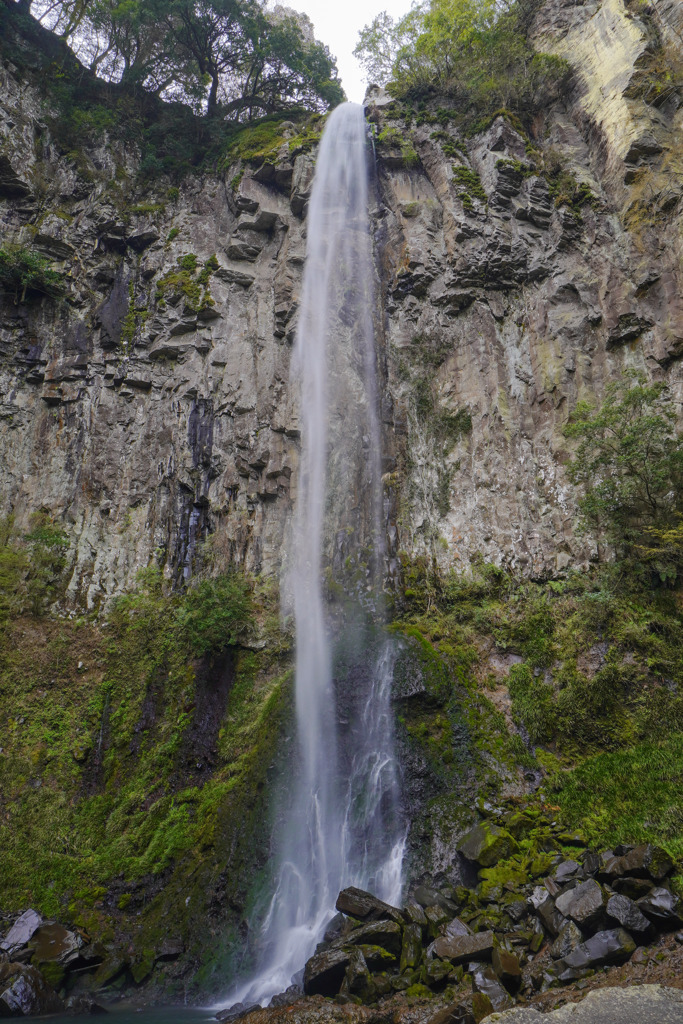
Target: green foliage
x,y
473,51
25,272
469,187
629,796
47,546
190,282
227,57
629,464
216,613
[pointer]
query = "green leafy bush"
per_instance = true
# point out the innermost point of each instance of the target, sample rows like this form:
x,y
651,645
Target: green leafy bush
x,y
25,272
215,613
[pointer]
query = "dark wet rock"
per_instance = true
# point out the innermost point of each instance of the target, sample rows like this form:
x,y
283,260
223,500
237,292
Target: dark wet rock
x,y
379,959
286,998
625,911
507,968
662,907
325,971
377,933
415,913
486,844
411,950
584,904
461,948
455,1013
143,238
21,932
438,973
645,861
357,978
567,870
436,916
335,928
634,888
366,907
425,897
84,1004
613,946
487,983
52,943
237,1011
551,918
457,927
482,1006
24,992
569,938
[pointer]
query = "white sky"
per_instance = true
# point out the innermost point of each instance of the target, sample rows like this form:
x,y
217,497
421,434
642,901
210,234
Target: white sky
x,y
337,24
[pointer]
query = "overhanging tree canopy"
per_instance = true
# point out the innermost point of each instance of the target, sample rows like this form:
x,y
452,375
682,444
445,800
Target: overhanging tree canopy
x,y
229,58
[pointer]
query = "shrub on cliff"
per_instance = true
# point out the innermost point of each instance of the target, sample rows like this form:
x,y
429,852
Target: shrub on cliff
x,y
629,465
24,272
474,51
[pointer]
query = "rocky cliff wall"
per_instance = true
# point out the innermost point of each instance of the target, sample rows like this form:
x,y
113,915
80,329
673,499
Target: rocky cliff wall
x,y
153,404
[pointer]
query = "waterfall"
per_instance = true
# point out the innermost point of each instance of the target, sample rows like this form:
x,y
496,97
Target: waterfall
x,y
343,823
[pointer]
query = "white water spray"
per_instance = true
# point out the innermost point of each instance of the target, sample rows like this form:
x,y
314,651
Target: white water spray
x,y
343,826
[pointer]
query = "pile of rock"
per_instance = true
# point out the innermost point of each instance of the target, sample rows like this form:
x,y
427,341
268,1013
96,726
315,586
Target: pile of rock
x,y
537,918
36,956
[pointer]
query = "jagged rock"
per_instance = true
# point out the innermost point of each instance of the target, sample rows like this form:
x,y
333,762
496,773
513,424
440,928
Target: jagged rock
x,y
461,948
83,1004
364,906
625,911
507,968
552,919
487,844
12,185
143,238
643,861
54,943
455,1013
569,938
237,1011
634,888
25,993
613,946
325,971
386,934
21,932
568,870
411,950
378,958
662,907
357,978
486,982
425,897
584,904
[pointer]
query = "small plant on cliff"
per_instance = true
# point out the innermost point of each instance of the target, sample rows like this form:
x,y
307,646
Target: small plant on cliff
x,y
25,272
629,464
216,613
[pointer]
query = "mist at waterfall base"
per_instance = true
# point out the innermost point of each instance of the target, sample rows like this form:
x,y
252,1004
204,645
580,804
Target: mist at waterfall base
x,y
343,825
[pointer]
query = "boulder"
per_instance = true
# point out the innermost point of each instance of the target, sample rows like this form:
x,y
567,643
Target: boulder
x,y
568,870
415,913
507,968
386,934
662,907
379,959
411,950
425,896
24,992
438,972
486,844
461,948
357,979
553,921
613,946
364,906
52,943
488,984
634,888
21,932
569,938
324,972
625,911
584,904
645,861
454,1013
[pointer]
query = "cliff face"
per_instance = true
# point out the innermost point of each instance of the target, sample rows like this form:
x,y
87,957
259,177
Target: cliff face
x,y
153,404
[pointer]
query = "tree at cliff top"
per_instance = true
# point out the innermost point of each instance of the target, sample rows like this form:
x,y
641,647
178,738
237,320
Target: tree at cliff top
x,y
475,52
629,463
230,58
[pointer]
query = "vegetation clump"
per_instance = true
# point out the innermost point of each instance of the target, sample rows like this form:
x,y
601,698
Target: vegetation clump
x,y
469,187
475,52
25,272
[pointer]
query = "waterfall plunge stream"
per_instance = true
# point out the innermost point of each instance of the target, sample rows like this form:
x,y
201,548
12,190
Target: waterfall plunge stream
x,y
343,824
